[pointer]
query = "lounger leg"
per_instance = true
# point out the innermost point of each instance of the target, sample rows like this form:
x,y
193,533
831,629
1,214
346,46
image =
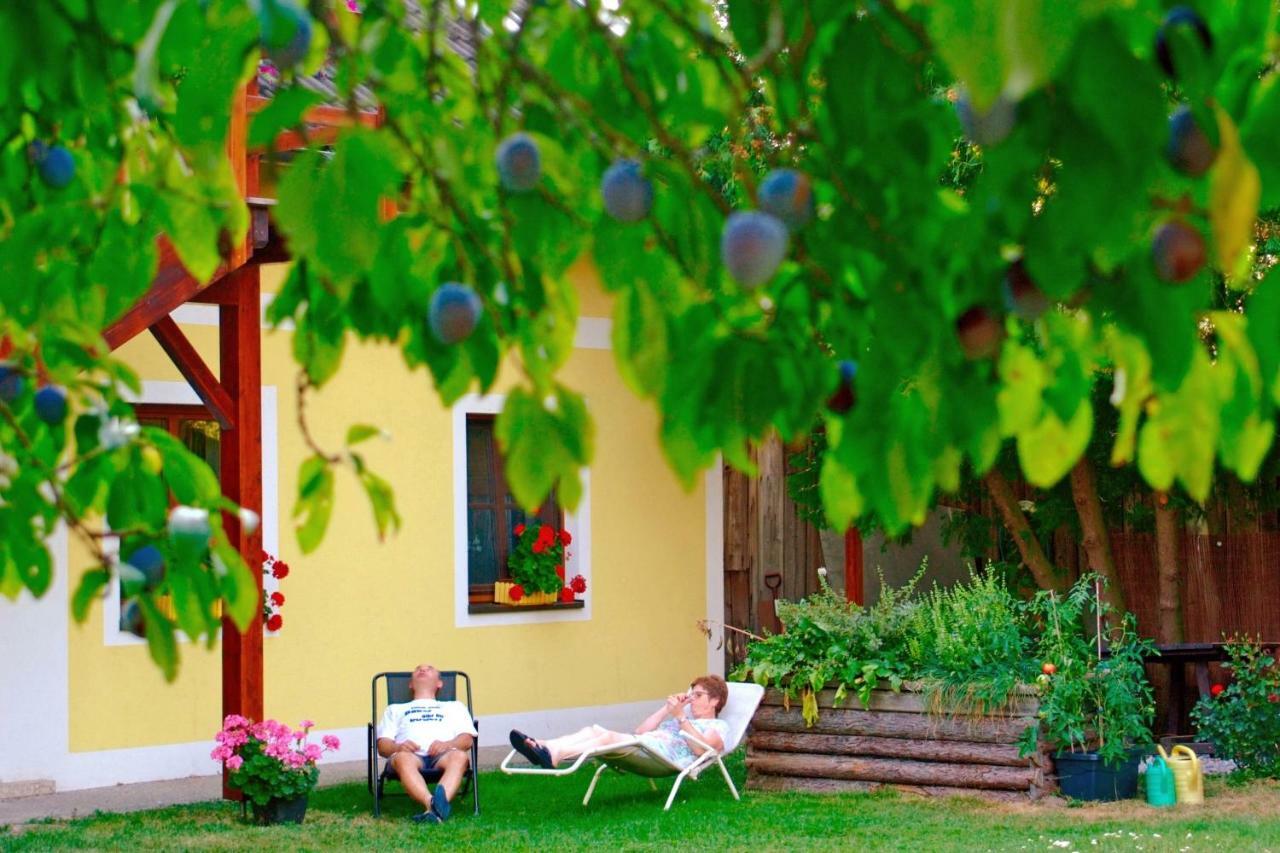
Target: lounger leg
x,y
727,779
596,778
671,798
653,786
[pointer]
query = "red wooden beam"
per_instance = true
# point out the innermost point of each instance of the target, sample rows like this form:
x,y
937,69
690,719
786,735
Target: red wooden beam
x,y
332,116
240,347
853,588
171,287
194,370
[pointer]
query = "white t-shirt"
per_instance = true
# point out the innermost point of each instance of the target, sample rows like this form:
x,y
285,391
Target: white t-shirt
x,y
424,721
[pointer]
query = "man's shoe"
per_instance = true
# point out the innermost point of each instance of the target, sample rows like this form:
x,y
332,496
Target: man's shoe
x,y
440,803
428,816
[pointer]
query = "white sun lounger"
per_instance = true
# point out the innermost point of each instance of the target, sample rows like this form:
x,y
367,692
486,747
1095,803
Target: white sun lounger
x,y
632,756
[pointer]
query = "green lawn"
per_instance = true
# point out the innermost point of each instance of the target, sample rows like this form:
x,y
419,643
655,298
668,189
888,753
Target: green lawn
x,y
522,812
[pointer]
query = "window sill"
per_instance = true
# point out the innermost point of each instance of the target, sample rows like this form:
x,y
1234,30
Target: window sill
x,y
526,608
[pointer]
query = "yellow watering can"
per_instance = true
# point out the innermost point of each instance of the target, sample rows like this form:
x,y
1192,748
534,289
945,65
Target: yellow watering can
x,y
1188,780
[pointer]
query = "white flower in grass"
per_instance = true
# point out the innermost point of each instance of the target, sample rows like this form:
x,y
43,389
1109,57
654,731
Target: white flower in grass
x,y
822,571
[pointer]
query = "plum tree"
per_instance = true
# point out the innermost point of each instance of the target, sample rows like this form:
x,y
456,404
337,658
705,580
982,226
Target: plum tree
x,y
868,103
56,166
1179,18
519,163
788,195
980,333
1189,149
1178,251
627,193
51,404
454,312
752,246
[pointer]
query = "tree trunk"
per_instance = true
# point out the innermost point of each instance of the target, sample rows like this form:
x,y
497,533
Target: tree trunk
x,y
893,770
924,749
1033,556
1171,627
1097,544
893,724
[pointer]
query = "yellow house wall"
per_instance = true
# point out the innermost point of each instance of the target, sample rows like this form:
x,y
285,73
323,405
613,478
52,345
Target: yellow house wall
x,y
357,606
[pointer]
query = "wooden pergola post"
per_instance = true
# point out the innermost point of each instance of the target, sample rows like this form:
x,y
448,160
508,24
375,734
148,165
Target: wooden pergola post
x,y
240,355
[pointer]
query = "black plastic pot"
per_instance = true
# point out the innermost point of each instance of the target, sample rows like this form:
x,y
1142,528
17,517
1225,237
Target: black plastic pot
x,y
1085,776
292,810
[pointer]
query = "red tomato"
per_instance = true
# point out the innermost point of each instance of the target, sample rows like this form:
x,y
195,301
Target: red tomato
x,y
1216,689
1049,668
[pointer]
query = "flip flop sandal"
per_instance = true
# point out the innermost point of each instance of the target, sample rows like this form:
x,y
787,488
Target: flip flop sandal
x,y
537,755
440,804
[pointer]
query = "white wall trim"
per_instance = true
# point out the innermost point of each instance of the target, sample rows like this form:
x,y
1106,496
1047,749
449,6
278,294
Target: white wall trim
x,y
714,480
578,523
182,394
198,314
76,771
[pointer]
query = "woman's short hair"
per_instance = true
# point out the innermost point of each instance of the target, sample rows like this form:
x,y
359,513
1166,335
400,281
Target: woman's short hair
x,y
716,688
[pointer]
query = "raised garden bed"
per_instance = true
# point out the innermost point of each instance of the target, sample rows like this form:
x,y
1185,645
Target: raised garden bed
x,y
895,741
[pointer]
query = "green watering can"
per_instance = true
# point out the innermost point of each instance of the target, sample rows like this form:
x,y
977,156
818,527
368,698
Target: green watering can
x,y
1160,787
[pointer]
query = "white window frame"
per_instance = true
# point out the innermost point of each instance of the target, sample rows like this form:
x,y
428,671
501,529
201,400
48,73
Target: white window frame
x,y
182,394
578,523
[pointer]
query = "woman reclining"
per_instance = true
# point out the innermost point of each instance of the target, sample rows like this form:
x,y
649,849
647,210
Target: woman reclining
x,y
693,713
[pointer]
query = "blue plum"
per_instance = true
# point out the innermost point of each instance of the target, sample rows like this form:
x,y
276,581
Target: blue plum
x,y
56,166
1178,252
989,126
752,246
51,404
788,195
627,193
12,382
846,395
286,32
150,562
1189,148
454,313
519,163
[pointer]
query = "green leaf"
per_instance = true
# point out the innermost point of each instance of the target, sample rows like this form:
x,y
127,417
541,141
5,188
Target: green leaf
x,y
1048,449
544,447
238,585
315,503
361,432
189,477
87,591
1023,382
383,501
1179,436
1234,193
841,500
161,642
284,111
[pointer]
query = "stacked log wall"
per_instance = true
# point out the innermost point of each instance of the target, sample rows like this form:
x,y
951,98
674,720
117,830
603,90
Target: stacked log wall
x,y
895,741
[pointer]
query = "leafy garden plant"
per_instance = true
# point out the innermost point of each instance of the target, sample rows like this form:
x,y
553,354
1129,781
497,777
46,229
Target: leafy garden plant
x,y
1243,719
268,760
537,561
1094,695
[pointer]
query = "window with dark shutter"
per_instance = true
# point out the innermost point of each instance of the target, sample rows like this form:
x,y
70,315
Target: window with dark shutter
x,y
492,512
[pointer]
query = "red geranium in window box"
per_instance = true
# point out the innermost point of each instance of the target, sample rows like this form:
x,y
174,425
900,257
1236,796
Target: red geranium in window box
x,y
536,566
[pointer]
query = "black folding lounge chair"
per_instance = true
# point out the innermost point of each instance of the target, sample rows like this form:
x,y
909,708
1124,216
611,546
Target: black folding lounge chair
x,y
397,690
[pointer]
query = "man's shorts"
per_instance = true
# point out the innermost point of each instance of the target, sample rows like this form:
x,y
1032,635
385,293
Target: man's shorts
x,y
426,762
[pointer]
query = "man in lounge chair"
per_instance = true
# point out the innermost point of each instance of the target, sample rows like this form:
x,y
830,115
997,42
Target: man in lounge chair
x,y
425,734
